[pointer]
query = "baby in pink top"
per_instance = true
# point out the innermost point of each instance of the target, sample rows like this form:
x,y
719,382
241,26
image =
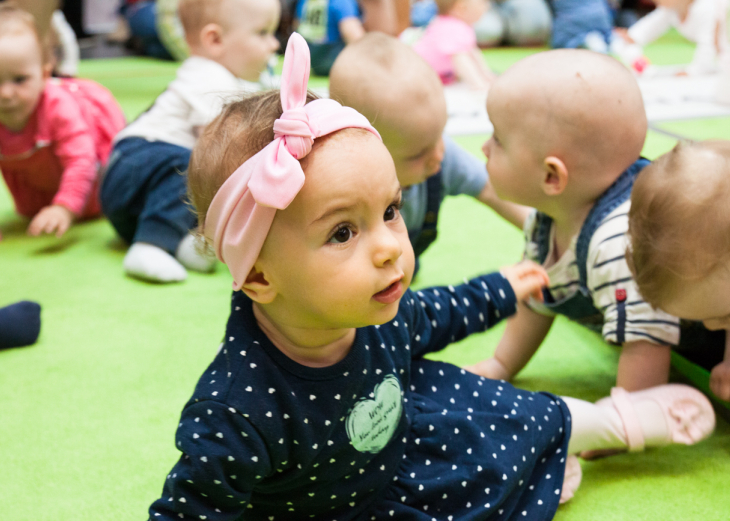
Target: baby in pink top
x,y
54,133
449,43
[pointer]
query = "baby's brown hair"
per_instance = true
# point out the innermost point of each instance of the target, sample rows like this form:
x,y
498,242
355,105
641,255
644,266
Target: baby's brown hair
x,y
243,128
13,20
679,222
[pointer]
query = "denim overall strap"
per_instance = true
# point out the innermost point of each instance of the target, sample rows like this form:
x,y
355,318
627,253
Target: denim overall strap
x,y
541,236
579,306
618,193
422,239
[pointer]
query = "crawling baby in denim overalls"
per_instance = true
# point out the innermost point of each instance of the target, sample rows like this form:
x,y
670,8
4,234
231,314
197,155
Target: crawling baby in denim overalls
x,y
569,129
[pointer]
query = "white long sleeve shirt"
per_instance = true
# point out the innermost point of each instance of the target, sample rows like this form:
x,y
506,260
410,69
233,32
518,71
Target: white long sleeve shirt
x,y
705,24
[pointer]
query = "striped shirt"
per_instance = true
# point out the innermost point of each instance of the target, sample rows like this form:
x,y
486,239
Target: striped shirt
x,y
607,271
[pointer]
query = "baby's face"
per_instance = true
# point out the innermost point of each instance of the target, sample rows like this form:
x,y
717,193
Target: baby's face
x,y
417,148
514,170
339,255
472,10
249,41
706,300
21,78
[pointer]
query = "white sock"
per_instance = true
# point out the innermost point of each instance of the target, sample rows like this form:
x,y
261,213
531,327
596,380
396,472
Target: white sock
x,y
593,427
149,262
597,427
189,255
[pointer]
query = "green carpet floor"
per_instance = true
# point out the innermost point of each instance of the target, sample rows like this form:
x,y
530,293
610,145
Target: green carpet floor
x,y
88,414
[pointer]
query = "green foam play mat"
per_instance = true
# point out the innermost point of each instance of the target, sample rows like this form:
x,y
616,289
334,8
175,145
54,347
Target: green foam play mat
x,y
88,414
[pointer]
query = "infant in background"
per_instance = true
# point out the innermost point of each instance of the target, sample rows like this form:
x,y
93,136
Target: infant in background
x,y
701,21
569,127
328,26
144,190
449,44
55,134
319,403
383,79
680,254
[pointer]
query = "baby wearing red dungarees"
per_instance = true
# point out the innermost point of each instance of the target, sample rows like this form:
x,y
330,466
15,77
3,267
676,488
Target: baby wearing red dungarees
x,y
55,134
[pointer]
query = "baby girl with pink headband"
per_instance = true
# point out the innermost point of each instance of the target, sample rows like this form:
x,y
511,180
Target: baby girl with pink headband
x,y
319,403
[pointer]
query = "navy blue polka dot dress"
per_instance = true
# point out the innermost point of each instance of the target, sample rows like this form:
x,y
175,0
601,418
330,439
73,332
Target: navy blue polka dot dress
x,y
381,434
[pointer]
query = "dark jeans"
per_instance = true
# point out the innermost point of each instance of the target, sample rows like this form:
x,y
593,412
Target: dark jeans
x,y
144,192
142,18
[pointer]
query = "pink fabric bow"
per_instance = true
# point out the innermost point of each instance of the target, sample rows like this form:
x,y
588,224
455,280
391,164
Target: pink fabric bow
x,y
240,215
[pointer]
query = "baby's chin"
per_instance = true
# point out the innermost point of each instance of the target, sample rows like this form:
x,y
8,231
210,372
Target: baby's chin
x,y
390,316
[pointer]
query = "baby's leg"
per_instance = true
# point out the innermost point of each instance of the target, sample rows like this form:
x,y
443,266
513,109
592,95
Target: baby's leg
x,y
650,418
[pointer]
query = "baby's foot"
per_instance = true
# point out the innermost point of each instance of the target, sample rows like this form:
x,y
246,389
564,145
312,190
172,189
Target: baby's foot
x,y
662,415
148,262
190,257
571,481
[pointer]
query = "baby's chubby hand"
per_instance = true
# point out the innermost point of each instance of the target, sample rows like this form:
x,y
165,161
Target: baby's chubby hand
x,y
527,279
720,380
54,218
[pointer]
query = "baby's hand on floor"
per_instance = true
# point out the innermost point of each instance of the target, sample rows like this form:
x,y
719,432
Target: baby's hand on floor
x,y
54,218
527,279
490,368
720,380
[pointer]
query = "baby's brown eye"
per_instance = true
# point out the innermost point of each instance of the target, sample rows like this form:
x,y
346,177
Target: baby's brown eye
x,y
344,234
390,213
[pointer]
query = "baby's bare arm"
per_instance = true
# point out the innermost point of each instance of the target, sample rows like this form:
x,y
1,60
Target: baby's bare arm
x,y
481,63
469,71
720,376
643,364
511,212
351,29
523,335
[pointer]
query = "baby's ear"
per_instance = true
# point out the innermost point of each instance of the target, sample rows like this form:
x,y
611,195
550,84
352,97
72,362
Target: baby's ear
x,y
257,288
555,176
48,68
211,36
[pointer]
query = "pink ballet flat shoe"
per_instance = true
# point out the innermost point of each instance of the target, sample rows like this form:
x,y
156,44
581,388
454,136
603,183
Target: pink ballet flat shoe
x,y
689,414
571,481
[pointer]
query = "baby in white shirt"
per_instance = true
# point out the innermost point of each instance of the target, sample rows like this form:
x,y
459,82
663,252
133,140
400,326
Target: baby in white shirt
x,y
703,22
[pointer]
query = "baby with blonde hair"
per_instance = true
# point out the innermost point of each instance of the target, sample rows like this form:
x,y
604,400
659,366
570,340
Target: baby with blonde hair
x,y
55,134
144,191
680,246
319,403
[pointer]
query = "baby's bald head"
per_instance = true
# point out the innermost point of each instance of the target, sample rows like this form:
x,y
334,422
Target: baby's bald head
x,y
385,80
582,107
196,14
401,95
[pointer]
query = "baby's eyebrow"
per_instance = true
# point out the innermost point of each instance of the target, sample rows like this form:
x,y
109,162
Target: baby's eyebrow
x,y
333,211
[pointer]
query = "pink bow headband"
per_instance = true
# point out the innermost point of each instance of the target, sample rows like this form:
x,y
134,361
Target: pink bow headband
x,y
239,217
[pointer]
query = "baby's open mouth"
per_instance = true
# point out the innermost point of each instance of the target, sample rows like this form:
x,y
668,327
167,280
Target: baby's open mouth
x,y
391,293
